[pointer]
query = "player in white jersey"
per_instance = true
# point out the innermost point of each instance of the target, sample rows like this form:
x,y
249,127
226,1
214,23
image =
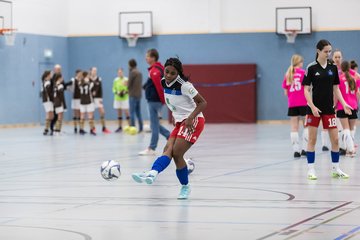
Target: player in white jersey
x,y
186,105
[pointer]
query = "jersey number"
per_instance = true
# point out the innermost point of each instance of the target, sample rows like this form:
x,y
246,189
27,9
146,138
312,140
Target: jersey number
x,y
296,85
84,90
332,122
347,89
182,131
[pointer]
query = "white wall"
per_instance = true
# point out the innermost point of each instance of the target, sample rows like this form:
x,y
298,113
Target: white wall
x,y
94,17
45,17
259,15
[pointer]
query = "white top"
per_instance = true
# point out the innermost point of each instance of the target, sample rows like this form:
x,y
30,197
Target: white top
x,y
179,97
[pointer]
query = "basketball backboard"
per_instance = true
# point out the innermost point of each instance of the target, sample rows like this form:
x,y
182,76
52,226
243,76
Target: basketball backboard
x,y
6,14
290,19
135,23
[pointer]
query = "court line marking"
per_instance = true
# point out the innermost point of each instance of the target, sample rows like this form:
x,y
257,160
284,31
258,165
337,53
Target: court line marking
x,y
349,234
322,223
86,237
304,221
244,170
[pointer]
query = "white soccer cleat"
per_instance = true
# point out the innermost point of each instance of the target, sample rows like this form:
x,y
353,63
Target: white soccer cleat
x,y
147,152
312,174
337,173
139,177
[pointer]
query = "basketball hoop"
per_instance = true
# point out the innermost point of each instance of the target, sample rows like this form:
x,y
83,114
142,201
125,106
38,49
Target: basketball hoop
x,y
9,34
132,39
291,35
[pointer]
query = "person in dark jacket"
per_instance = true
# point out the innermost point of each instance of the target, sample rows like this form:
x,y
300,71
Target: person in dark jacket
x,y
154,94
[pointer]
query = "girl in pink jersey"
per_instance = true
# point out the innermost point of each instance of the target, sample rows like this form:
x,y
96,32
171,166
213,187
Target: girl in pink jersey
x,y
349,90
293,89
354,66
337,59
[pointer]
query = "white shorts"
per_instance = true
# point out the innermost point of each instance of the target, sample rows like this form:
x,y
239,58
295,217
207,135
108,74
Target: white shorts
x,y
121,104
49,106
75,104
98,103
87,108
59,110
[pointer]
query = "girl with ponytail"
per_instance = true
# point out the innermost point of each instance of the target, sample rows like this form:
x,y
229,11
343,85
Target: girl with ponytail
x,y
349,91
293,89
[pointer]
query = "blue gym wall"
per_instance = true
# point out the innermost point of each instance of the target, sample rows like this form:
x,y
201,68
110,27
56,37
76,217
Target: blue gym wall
x,y
19,65
20,68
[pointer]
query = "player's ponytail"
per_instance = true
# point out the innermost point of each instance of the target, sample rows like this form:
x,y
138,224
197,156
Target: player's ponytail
x,y
296,60
345,68
84,75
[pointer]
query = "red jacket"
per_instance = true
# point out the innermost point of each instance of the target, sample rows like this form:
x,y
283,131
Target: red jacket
x,y
155,74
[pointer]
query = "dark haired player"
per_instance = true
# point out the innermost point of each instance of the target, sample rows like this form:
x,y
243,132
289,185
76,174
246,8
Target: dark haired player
x,y
321,84
186,105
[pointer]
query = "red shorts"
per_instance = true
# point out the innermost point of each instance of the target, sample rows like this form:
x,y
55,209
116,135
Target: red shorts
x,y
181,132
328,121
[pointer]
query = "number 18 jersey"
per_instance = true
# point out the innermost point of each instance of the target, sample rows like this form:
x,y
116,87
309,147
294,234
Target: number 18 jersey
x,y
295,91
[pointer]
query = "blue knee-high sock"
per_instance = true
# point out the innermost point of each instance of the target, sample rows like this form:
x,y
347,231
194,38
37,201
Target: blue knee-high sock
x,y
335,157
183,175
310,157
161,163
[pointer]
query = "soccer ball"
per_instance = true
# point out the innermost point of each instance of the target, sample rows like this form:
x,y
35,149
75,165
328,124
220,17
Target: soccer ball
x,y
110,170
130,130
190,165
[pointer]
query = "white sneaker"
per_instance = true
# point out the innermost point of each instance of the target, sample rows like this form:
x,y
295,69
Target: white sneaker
x,y
148,177
312,174
337,173
139,177
184,192
147,152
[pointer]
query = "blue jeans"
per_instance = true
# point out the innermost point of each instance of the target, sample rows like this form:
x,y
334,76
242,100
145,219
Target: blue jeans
x,y
154,109
135,110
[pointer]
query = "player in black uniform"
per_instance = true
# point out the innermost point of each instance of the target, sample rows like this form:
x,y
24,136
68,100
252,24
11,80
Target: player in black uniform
x,y
48,99
86,103
59,101
321,84
98,97
73,85
56,71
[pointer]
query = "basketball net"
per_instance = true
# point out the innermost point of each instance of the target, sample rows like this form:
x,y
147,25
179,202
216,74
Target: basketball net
x,y
132,39
9,34
291,36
